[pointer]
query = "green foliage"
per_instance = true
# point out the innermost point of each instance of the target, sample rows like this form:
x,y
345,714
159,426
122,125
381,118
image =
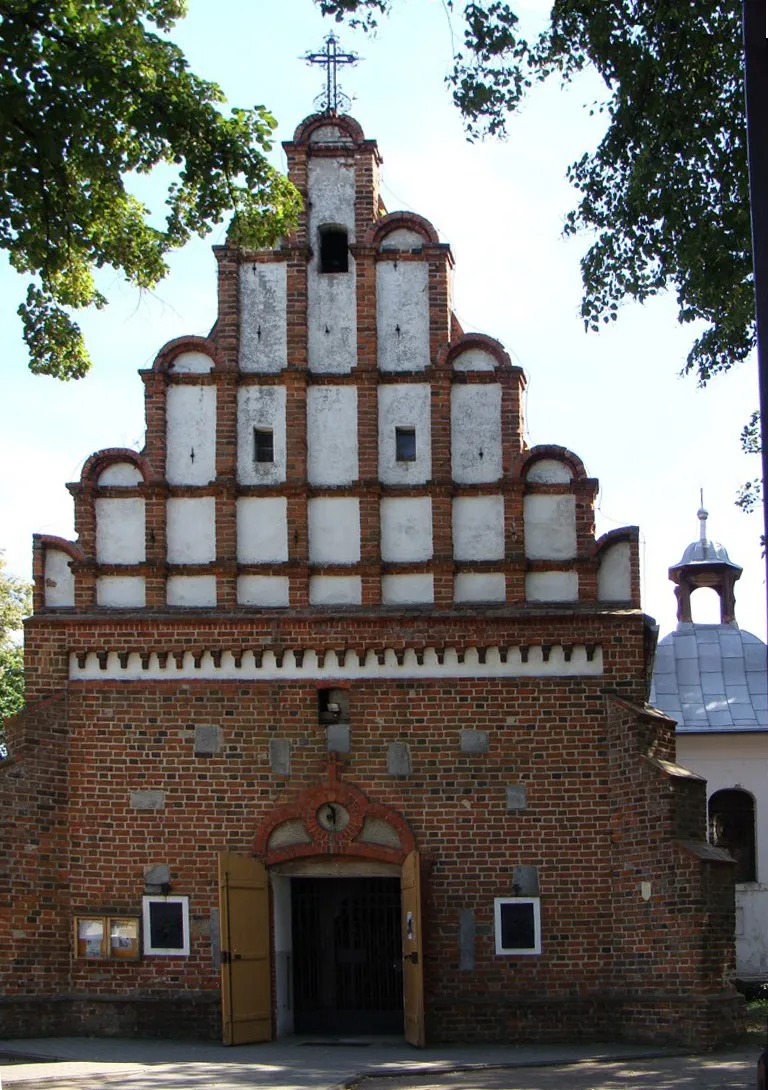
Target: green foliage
x,y
91,91
11,683
15,604
664,196
751,494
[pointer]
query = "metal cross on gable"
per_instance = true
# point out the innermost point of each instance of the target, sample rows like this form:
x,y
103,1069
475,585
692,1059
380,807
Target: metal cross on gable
x,y
332,100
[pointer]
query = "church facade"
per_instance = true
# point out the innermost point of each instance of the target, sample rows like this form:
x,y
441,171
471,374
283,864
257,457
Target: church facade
x,y
336,714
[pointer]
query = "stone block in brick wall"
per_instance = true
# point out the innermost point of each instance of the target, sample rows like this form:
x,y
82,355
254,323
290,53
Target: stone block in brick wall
x,y
156,875
207,740
466,940
516,796
280,756
525,881
398,759
147,800
474,741
339,740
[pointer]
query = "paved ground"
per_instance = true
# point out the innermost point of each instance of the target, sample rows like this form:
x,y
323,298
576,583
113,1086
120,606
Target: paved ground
x,y
381,1064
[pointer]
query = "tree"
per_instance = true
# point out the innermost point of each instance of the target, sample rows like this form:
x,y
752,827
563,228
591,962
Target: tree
x,y
15,604
665,195
91,92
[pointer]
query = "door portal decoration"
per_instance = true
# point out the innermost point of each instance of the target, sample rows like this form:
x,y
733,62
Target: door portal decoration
x,y
334,818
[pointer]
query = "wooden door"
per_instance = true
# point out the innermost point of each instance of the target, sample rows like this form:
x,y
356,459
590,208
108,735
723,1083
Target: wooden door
x,y
246,980
413,955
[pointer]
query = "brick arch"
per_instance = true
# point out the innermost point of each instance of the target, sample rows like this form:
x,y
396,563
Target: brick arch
x,y
164,359
347,124
50,541
474,340
396,220
102,459
622,534
321,842
524,461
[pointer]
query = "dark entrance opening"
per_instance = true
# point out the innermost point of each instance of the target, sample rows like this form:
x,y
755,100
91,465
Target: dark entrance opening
x,y
347,951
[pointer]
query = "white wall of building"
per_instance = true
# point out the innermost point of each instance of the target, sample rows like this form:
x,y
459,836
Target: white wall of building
x,y
406,529
260,407
120,531
59,579
402,315
191,530
331,297
191,434
334,530
550,527
262,530
405,405
476,433
332,435
263,318
739,760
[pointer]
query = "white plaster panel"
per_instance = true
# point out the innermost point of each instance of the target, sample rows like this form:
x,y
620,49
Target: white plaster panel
x,y
404,589
550,527
405,405
120,531
402,238
331,185
260,407
329,134
614,576
191,363
402,315
476,433
406,529
335,590
478,528
331,319
331,297
334,530
262,530
464,661
121,474
474,359
191,590
549,471
121,591
191,530
552,586
263,590
488,586
59,579
191,434
332,434
263,325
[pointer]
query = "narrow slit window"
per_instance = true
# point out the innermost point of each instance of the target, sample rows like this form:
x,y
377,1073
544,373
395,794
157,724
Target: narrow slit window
x,y
405,444
263,445
334,254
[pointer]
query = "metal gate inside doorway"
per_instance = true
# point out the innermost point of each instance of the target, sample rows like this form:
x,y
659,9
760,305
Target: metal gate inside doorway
x,y
347,955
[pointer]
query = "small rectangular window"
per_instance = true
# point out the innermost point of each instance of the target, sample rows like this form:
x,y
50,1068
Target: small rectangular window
x,y
107,937
166,925
518,925
405,444
263,445
334,255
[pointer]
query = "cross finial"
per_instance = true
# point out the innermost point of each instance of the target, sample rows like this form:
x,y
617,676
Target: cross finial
x,y
333,100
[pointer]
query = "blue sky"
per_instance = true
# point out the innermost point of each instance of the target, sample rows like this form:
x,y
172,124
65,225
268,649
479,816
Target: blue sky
x,y
615,398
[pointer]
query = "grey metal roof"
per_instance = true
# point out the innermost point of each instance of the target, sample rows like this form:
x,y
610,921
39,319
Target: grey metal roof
x,y
706,552
711,677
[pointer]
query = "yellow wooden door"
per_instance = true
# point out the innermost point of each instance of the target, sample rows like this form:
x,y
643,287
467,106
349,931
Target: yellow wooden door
x,y
413,955
246,980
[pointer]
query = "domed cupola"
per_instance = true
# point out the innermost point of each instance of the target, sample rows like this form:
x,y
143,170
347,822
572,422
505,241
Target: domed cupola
x,y
705,563
710,677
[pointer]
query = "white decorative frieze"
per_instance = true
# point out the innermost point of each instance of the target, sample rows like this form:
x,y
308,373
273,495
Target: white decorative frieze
x,y
540,660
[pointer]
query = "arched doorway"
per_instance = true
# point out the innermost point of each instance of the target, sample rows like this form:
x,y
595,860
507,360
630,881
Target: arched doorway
x,y
344,944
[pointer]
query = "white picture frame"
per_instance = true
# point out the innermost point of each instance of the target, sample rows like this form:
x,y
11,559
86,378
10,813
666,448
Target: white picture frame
x,y
151,925
517,926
